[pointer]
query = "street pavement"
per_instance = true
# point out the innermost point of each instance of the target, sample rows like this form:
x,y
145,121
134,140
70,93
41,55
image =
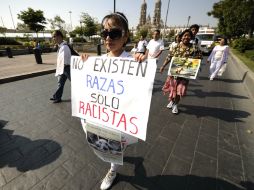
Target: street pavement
x,y
207,146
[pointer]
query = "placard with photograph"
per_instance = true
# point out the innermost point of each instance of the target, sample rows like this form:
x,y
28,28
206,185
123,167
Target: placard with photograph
x,y
184,67
106,143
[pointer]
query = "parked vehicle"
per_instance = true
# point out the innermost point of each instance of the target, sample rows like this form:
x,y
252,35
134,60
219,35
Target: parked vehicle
x,y
205,41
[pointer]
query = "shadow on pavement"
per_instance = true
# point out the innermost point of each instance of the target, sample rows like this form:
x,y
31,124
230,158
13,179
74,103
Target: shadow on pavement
x,y
23,153
219,113
225,80
201,94
157,86
174,182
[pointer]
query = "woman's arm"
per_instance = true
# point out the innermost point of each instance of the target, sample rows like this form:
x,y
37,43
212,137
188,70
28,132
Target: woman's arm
x,y
211,55
226,54
165,63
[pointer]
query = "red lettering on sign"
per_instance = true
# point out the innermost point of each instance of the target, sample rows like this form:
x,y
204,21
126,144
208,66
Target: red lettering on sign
x,y
134,125
103,111
114,116
88,108
122,120
81,107
94,106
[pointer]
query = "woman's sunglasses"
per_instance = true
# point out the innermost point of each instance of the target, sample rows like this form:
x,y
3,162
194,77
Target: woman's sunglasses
x,y
113,34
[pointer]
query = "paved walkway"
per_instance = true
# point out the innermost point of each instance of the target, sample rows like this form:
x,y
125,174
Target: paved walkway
x,y
25,66
207,146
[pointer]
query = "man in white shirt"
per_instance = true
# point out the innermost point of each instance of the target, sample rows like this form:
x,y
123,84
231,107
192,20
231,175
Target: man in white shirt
x,y
155,46
142,45
63,65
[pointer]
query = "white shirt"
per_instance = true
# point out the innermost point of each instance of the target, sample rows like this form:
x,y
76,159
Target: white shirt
x,y
141,46
154,47
63,58
219,53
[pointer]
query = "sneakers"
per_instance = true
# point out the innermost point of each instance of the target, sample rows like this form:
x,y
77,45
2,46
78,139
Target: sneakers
x,y
108,180
174,109
170,104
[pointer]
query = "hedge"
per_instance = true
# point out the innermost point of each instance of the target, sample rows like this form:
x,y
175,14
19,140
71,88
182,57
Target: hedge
x,y
8,41
243,44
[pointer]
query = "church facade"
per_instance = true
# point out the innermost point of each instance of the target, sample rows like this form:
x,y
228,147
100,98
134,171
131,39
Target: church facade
x,y
144,20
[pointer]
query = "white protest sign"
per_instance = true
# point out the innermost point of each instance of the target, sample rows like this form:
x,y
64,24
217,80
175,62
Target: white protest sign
x,y
114,92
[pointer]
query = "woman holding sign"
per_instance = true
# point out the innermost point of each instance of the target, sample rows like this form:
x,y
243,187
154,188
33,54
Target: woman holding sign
x,y
174,85
115,33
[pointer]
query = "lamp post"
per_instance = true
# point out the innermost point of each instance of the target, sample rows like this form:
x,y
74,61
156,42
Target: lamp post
x,y
114,6
166,18
81,29
70,20
188,21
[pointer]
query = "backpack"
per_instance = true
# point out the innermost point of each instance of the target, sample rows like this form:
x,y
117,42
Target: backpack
x,y
73,52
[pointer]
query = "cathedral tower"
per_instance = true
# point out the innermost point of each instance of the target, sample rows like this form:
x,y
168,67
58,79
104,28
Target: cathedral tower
x,y
142,20
157,14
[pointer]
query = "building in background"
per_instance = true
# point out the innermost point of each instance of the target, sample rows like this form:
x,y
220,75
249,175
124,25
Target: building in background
x,y
146,20
157,15
142,20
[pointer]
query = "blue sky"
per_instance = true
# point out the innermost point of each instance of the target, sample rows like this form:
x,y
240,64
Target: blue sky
x,y
179,10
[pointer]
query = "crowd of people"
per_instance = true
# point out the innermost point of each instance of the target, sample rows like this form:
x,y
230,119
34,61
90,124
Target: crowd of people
x,y
115,33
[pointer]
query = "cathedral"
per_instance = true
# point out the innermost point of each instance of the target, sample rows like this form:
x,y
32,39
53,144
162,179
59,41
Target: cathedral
x,y
156,21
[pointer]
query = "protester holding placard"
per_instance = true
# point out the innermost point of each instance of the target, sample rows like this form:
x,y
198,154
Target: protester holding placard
x,y
115,33
177,86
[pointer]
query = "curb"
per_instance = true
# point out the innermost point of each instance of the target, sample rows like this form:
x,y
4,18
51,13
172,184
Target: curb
x,y
26,76
244,73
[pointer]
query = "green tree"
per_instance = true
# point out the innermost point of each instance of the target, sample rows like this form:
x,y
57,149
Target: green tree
x,y
89,23
56,23
33,19
143,31
171,34
77,31
22,26
235,17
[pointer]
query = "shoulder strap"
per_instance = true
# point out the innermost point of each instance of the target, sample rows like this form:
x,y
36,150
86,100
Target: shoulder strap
x,y
73,52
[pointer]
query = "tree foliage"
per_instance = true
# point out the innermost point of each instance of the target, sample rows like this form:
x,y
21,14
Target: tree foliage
x,y
77,31
22,26
33,19
235,17
56,23
142,31
89,27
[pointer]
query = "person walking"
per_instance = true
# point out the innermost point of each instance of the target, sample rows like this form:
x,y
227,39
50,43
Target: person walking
x,y
153,49
141,48
155,46
175,43
218,58
176,86
63,65
115,32
134,49
194,29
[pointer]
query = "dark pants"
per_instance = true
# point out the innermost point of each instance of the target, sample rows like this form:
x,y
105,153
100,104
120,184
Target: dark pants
x,y
61,81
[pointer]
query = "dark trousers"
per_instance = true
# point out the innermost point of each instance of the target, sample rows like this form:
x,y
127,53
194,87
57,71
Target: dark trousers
x,y
61,82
